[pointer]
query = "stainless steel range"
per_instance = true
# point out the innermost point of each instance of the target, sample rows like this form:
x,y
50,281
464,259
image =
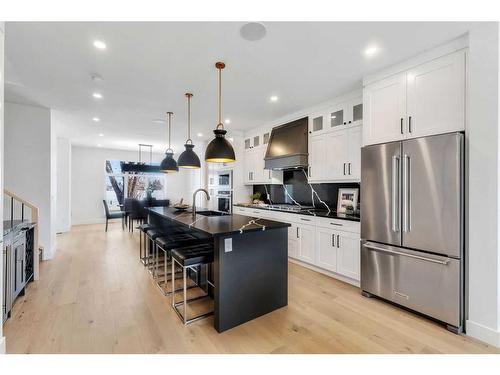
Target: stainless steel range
x,y
412,250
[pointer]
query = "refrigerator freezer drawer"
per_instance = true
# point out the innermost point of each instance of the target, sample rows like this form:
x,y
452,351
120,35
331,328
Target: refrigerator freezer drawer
x,y
425,283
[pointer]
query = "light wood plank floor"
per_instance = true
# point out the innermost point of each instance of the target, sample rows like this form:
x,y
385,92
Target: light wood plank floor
x,y
96,297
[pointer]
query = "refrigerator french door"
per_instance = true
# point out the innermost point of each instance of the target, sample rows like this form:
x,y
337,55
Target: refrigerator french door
x,y
412,225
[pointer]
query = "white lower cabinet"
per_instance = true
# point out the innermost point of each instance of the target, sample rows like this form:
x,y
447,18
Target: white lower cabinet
x,y
326,249
312,240
306,251
348,255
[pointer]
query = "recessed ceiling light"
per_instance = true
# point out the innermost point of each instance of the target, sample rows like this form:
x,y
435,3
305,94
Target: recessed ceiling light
x,y
101,135
99,44
227,121
99,145
371,51
200,134
253,31
97,95
96,119
273,98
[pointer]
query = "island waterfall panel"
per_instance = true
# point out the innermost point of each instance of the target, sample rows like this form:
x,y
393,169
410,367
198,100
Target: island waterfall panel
x,y
250,276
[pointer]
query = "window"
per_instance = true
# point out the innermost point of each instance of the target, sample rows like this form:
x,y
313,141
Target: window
x,y
139,185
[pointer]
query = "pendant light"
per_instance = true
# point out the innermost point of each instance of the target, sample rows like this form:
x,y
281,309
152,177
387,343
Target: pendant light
x,y
189,159
169,165
220,150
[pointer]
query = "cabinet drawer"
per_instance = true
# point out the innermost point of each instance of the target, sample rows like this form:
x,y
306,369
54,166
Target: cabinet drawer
x,y
338,224
425,283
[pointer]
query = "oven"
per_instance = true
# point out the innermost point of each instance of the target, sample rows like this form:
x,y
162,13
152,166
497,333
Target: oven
x,y
224,201
224,179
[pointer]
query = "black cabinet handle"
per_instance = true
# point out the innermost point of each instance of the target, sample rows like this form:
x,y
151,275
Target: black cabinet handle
x,y
338,240
310,132
345,123
344,169
409,124
297,232
333,240
349,121
401,125
349,169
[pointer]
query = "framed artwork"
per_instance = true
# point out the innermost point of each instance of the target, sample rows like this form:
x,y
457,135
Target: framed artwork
x,y
348,200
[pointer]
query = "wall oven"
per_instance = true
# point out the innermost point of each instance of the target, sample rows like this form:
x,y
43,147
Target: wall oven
x,y
224,201
224,179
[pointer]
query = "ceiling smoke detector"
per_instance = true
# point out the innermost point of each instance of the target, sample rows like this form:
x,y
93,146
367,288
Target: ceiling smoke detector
x,y
253,31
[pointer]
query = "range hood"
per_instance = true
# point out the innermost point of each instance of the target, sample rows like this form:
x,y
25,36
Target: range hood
x,y
287,146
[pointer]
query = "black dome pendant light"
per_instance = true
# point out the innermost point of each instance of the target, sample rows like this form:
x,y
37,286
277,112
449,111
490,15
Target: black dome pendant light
x,y
168,164
189,159
220,150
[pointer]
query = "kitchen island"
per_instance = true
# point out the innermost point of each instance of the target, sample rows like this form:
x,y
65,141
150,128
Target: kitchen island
x,y
250,267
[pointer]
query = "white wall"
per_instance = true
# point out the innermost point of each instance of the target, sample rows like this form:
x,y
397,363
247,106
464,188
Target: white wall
x,y
29,161
484,256
88,182
63,177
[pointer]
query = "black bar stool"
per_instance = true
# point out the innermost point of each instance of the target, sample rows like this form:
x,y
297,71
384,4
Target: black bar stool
x,y
143,228
166,244
152,235
190,258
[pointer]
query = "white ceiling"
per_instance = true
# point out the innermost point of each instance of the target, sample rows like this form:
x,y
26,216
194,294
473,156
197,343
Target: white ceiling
x,y
148,66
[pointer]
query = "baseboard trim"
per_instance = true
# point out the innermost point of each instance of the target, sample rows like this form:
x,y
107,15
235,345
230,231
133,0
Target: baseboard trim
x,y
482,333
325,272
90,221
3,348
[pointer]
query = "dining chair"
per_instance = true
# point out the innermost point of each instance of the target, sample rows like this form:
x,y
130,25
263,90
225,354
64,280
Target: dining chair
x,y
113,215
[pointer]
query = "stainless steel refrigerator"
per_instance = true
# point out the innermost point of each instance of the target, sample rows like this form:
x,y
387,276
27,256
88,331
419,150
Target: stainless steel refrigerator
x,y
412,225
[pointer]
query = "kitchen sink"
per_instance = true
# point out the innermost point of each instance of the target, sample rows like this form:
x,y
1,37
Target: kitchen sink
x,y
211,213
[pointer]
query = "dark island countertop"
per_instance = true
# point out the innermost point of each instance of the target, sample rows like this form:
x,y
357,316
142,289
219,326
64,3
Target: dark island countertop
x,y
217,225
312,212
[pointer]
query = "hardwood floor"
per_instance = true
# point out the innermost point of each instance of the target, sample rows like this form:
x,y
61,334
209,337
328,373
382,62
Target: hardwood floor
x,y
96,297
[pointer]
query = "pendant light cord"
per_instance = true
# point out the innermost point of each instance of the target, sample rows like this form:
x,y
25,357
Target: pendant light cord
x,y
169,128
220,98
189,95
220,65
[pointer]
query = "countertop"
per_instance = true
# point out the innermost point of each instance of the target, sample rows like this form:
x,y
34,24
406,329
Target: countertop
x,y
315,212
217,225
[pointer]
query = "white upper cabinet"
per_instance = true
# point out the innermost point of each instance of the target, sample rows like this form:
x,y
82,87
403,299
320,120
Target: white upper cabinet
x,y
317,158
255,152
384,110
436,96
354,156
426,100
317,124
337,154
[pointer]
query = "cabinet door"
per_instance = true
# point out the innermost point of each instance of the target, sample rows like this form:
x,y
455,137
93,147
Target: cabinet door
x,y
292,248
337,117
306,243
348,255
436,96
317,124
248,166
356,111
337,155
354,159
384,110
317,158
326,249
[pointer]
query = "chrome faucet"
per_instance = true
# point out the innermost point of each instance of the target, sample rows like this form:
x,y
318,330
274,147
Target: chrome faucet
x,y
194,199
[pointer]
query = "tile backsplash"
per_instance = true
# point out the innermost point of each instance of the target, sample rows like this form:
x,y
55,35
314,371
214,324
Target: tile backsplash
x,y
296,184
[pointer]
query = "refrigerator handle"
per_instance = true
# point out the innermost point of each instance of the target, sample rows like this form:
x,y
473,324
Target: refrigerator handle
x,y
406,194
395,193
